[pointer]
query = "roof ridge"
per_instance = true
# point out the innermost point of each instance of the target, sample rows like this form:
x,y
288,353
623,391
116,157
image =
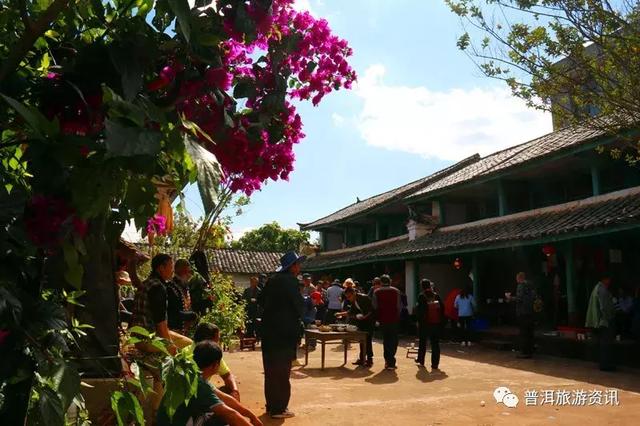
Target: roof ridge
x,y
549,209
426,180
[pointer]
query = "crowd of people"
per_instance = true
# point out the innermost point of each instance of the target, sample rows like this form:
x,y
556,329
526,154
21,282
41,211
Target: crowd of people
x,y
163,304
280,306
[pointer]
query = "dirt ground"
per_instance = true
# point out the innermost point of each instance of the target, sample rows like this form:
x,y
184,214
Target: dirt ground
x,y
417,396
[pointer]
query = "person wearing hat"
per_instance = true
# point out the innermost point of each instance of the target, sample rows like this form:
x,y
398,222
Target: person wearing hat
x,y
281,317
124,280
308,287
334,301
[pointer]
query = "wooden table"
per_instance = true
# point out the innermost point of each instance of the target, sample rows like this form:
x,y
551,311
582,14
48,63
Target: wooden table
x,y
333,338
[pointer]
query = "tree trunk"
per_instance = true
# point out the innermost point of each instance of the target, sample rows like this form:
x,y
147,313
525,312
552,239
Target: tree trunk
x,y
98,355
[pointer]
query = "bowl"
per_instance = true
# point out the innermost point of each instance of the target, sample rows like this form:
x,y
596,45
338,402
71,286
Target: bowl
x,y
351,328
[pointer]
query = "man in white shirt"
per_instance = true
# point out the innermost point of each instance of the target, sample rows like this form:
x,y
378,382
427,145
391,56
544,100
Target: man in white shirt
x,y
334,296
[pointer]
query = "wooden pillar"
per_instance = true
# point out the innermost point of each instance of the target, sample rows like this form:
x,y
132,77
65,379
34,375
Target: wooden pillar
x,y
323,240
595,180
476,281
411,282
437,210
377,229
570,273
345,236
502,199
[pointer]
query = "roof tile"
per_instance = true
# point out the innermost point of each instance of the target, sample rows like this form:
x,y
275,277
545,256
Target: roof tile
x,y
570,220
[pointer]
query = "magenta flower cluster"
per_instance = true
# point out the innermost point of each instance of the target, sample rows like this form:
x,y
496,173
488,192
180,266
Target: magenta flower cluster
x,y
49,220
157,225
316,64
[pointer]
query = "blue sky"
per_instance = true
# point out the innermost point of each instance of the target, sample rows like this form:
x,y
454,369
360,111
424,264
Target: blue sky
x,y
420,104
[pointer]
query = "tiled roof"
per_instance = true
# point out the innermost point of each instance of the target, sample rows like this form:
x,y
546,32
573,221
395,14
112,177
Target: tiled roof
x,y
380,200
602,213
515,156
235,261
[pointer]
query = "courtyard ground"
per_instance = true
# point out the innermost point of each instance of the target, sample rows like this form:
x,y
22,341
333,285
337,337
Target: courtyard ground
x,y
417,396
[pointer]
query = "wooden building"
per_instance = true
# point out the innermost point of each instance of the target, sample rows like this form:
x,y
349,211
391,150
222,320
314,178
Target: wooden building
x,y
552,207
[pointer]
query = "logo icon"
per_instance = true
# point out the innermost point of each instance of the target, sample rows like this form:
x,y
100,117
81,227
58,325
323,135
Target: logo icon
x,y
504,396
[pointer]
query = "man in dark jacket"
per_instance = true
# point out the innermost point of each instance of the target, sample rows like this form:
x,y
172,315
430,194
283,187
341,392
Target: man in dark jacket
x,y
282,312
387,303
430,313
251,296
361,314
179,314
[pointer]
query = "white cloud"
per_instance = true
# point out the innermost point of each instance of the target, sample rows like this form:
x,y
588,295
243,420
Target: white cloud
x,y
338,120
236,234
447,125
304,5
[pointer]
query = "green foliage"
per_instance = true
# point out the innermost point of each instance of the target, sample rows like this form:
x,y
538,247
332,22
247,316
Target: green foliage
x,y
272,237
576,59
185,235
126,406
228,310
180,377
55,389
92,115
209,173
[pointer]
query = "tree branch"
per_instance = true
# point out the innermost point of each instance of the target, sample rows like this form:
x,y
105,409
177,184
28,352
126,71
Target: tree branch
x,y
22,47
24,15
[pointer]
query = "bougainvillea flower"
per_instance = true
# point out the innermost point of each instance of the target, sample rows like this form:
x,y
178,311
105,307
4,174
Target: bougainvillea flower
x,y
157,225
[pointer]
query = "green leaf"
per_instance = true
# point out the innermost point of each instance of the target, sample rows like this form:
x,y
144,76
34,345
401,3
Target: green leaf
x,y
183,13
129,67
311,66
74,271
140,331
160,345
209,173
125,404
127,141
245,88
48,409
38,123
142,382
180,375
66,382
119,108
144,6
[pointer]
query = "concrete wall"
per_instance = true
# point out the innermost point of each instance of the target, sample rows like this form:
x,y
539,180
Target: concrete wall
x,y
241,280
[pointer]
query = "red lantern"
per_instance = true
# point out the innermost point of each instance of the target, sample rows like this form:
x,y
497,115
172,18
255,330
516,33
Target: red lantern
x,y
548,250
457,263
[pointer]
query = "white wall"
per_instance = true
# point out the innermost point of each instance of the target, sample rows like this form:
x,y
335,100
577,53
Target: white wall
x,y
409,284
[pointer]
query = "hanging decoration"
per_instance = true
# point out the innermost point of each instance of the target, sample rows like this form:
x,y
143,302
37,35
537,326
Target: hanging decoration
x,y
548,250
457,263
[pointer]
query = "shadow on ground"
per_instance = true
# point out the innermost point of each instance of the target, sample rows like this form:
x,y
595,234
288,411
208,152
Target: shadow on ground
x,y
384,377
625,378
427,376
334,373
